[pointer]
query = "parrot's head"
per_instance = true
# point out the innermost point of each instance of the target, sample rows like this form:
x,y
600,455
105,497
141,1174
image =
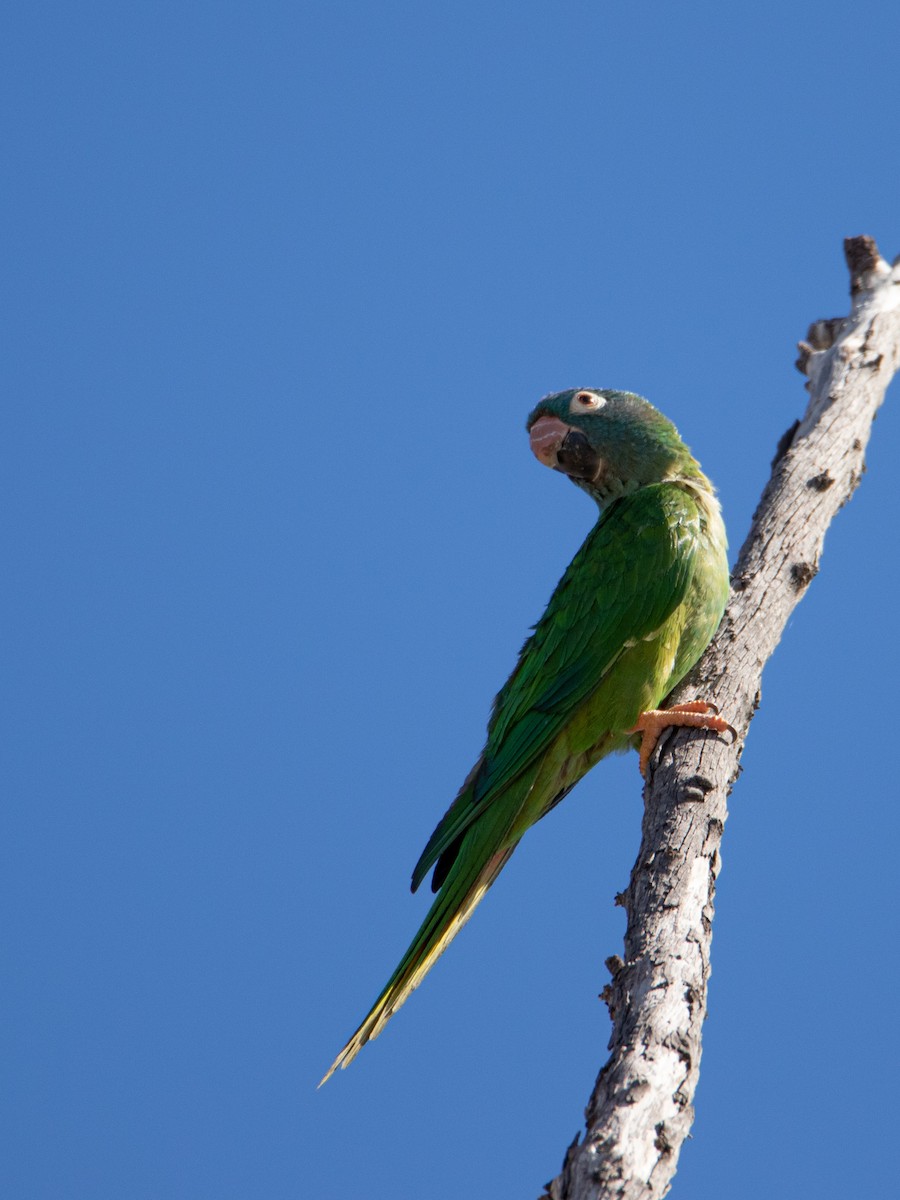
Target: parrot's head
x,y
608,442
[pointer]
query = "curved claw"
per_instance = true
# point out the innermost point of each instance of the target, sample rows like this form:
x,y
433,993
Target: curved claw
x,y
697,714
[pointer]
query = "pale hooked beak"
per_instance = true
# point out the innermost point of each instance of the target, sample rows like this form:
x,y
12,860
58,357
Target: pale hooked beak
x,y
547,435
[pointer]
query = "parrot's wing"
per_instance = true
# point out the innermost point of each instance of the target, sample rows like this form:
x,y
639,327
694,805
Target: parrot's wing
x,y
629,576
632,572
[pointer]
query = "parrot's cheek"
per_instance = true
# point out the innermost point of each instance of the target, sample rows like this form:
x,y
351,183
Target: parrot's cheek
x,y
577,458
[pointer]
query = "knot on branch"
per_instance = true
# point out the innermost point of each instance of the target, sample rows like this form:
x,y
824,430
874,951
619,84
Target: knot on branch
x,y
787,438
611,994
821,482
802,575
863,259
868,270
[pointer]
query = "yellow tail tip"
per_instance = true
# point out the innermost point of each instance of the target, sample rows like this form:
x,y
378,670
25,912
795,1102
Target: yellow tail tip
x,y
345,1057
420,960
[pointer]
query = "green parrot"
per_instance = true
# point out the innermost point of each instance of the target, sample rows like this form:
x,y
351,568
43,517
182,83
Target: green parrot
x,y
636,608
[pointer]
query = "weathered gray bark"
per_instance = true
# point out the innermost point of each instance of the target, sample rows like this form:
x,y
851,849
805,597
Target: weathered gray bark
x,y
640,1111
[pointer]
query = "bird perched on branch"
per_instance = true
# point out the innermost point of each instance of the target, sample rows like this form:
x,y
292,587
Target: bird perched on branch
x,y
634,611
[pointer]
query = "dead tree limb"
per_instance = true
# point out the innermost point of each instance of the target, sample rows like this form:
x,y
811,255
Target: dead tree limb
x,y
641,1108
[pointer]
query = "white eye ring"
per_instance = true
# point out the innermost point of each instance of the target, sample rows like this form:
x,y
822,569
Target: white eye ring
x,y
585,401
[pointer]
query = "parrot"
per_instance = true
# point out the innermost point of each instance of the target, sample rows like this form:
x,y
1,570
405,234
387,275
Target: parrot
x,y
635,609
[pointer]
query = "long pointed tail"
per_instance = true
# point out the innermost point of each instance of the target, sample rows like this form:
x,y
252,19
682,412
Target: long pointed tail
x,y
451,909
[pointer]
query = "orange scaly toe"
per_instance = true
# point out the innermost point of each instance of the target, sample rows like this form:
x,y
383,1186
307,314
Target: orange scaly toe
x,y
696,713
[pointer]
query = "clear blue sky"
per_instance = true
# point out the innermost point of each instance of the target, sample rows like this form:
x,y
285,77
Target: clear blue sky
x,y
282,282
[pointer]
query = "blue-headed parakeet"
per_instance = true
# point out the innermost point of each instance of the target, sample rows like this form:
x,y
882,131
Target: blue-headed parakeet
x,y
633,612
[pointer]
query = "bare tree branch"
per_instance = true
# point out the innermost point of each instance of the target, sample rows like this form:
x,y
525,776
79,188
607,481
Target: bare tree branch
x,y
640,1111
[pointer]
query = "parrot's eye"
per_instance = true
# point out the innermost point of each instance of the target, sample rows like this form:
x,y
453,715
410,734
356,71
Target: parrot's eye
x,y
585,401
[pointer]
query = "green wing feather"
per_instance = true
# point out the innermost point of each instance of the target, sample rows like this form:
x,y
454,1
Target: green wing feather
x,y
632,572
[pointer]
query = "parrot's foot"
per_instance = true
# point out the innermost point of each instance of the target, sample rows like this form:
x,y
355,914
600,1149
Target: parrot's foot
x,y
697,714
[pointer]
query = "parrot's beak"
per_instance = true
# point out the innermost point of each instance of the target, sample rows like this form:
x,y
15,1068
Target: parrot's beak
x,y
547,435
564,448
